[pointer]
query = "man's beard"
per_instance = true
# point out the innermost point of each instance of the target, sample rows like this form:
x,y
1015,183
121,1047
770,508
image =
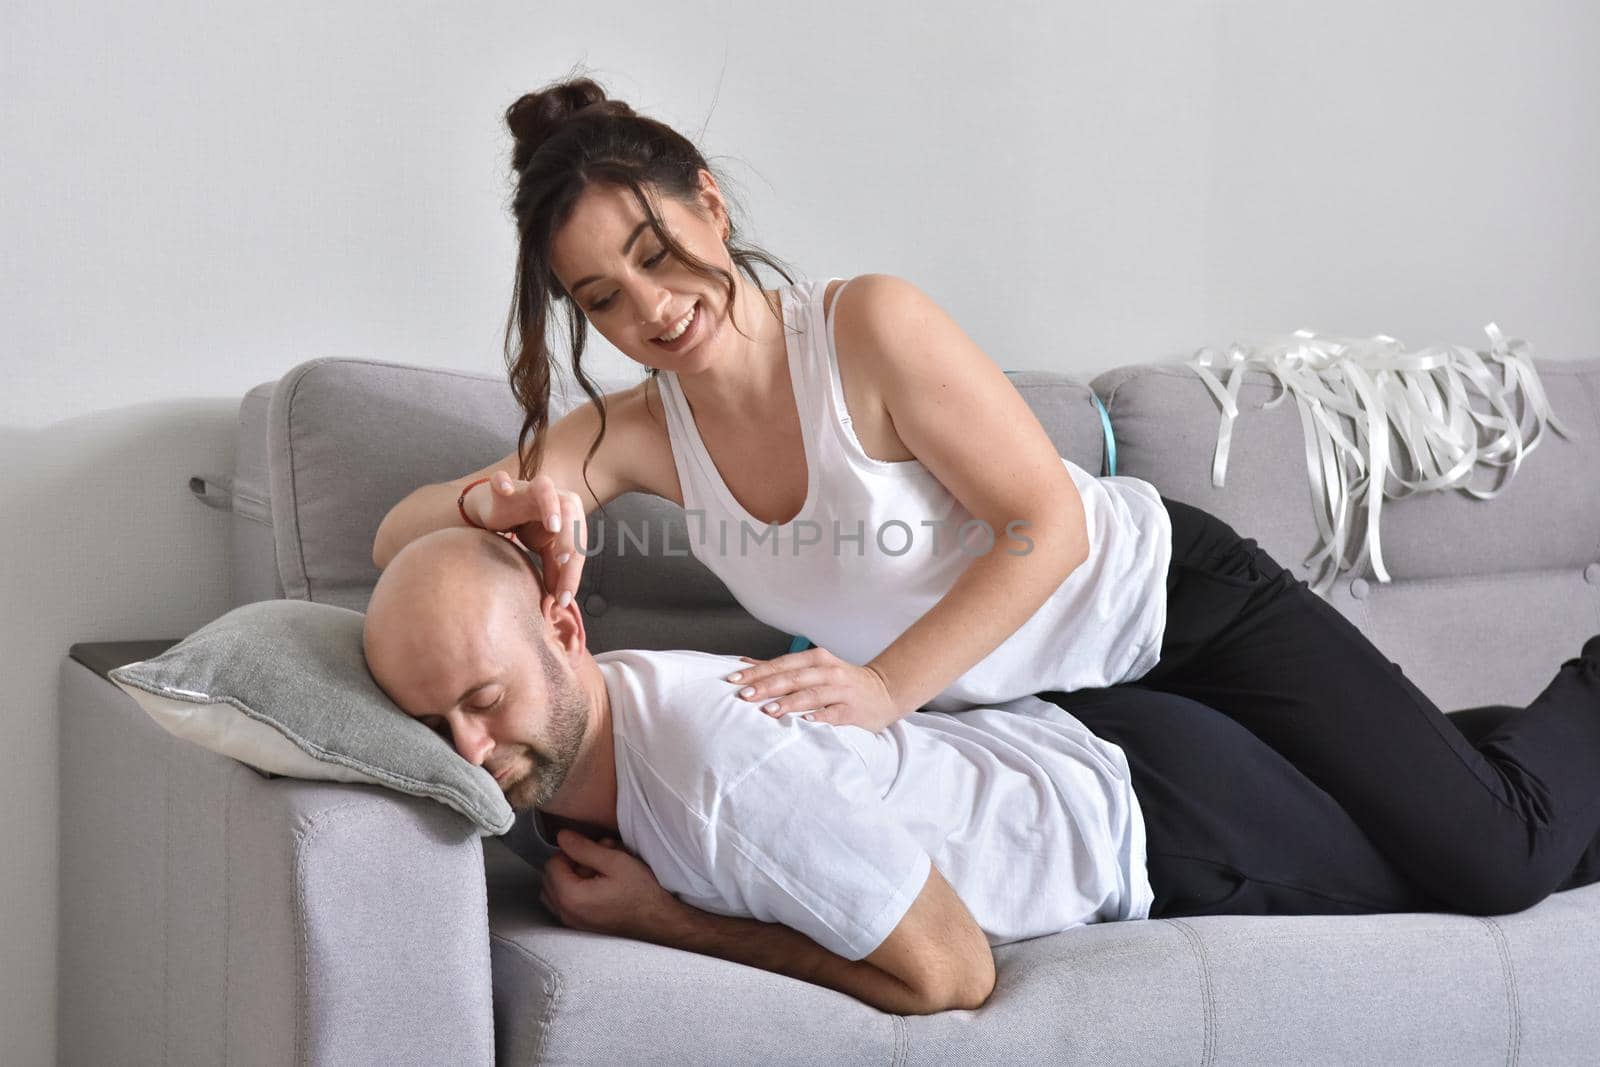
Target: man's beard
x,y
553,758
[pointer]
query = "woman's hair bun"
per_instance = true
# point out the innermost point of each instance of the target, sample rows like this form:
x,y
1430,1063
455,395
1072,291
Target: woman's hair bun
x,y
537,115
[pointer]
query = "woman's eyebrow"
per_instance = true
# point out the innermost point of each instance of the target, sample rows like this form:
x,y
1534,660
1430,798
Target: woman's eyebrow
x,y
632,237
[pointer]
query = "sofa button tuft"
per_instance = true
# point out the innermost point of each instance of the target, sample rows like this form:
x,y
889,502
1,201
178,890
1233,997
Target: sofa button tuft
x,y
1359,589
595,604
1591,574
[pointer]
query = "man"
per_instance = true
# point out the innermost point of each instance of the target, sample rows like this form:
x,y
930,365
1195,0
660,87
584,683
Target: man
x,y
882,865
462,635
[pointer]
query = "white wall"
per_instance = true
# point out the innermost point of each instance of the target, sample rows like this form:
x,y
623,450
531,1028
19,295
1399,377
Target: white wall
x,y
196,197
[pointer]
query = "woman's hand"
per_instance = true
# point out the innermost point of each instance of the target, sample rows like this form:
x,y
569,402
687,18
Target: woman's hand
x,y
822,686
547,520
596,886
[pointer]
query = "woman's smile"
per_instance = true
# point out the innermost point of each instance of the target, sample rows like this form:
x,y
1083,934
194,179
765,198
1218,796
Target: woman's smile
x,y
688,337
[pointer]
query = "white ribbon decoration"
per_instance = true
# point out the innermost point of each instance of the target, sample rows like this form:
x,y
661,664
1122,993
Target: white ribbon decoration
x,y
1368,386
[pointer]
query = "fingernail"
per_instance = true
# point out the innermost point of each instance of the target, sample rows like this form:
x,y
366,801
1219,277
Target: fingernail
x,y
504,484
748,691
554,522
735,676
561,560
563,600
810,717
770,707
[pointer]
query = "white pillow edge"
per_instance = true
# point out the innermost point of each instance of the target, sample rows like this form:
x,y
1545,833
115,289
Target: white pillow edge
x,y
218,725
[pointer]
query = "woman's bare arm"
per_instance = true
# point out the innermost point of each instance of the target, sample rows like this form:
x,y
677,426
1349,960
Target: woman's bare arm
x,y
558,490
955,410
959,414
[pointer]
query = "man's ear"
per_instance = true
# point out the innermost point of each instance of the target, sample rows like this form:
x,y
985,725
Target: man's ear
x,y
566,627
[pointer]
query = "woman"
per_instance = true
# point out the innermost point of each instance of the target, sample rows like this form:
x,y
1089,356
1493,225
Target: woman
x,y
915,521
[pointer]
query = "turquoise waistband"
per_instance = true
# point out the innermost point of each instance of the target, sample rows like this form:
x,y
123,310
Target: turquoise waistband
x,y
1111,438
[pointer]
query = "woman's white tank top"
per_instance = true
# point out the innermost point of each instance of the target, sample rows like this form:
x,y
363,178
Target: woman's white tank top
x,y
876,544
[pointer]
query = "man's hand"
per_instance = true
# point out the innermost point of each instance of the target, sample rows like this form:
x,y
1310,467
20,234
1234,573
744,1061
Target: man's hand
x,y
819,685
596,886
935,959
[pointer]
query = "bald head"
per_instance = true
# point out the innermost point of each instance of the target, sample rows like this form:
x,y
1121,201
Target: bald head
x,y
448,599
462,635
460,557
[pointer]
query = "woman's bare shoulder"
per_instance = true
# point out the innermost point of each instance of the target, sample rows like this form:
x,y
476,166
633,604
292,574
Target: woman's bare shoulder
x,y
636,448
864,314
890,324
622,407
866,297
637,408
870,298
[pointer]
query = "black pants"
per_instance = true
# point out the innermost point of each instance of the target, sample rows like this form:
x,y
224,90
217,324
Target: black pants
x,y
1285,766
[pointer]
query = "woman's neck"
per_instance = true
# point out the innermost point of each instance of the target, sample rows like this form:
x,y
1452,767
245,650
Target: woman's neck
x,y
742,379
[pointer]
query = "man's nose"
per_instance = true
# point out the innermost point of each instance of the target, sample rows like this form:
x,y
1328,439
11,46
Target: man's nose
x,y
472,742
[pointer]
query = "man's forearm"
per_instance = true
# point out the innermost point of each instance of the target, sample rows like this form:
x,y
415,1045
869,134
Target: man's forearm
x,y
777,948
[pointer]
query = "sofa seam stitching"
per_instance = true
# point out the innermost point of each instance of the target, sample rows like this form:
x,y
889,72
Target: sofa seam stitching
x,y
1197,947
302,951
386,365
227,923
1593,393
294,489
166,909
557,987
1559,570
1508,972
902,1041
1594,602
305,833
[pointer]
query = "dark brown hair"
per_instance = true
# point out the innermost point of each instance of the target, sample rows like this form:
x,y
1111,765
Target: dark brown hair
x,y
570,137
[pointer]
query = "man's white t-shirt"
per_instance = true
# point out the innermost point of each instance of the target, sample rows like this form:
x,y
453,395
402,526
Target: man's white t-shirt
x,y
830,830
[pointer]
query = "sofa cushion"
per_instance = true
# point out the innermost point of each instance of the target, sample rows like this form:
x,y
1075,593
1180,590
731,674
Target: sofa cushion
x,y
282,685
1219,989
347,439
1518,575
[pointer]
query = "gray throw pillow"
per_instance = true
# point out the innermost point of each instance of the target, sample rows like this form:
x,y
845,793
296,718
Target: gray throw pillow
x,y
283,686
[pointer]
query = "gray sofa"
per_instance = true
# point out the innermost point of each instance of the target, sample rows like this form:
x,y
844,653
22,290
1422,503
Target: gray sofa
x,y
210,914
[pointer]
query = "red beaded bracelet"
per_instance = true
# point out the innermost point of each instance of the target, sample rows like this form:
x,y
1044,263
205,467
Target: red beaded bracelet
x,y
461,506
461,503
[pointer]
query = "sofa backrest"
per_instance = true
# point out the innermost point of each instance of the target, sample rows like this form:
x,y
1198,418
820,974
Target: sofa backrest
x,y
1488,597
330,447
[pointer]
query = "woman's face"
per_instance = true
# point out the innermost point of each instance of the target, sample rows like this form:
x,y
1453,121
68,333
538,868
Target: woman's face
x,y
630,286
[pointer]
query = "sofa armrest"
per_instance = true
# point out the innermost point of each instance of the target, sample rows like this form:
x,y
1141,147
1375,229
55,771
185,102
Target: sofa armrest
x,y
212,914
